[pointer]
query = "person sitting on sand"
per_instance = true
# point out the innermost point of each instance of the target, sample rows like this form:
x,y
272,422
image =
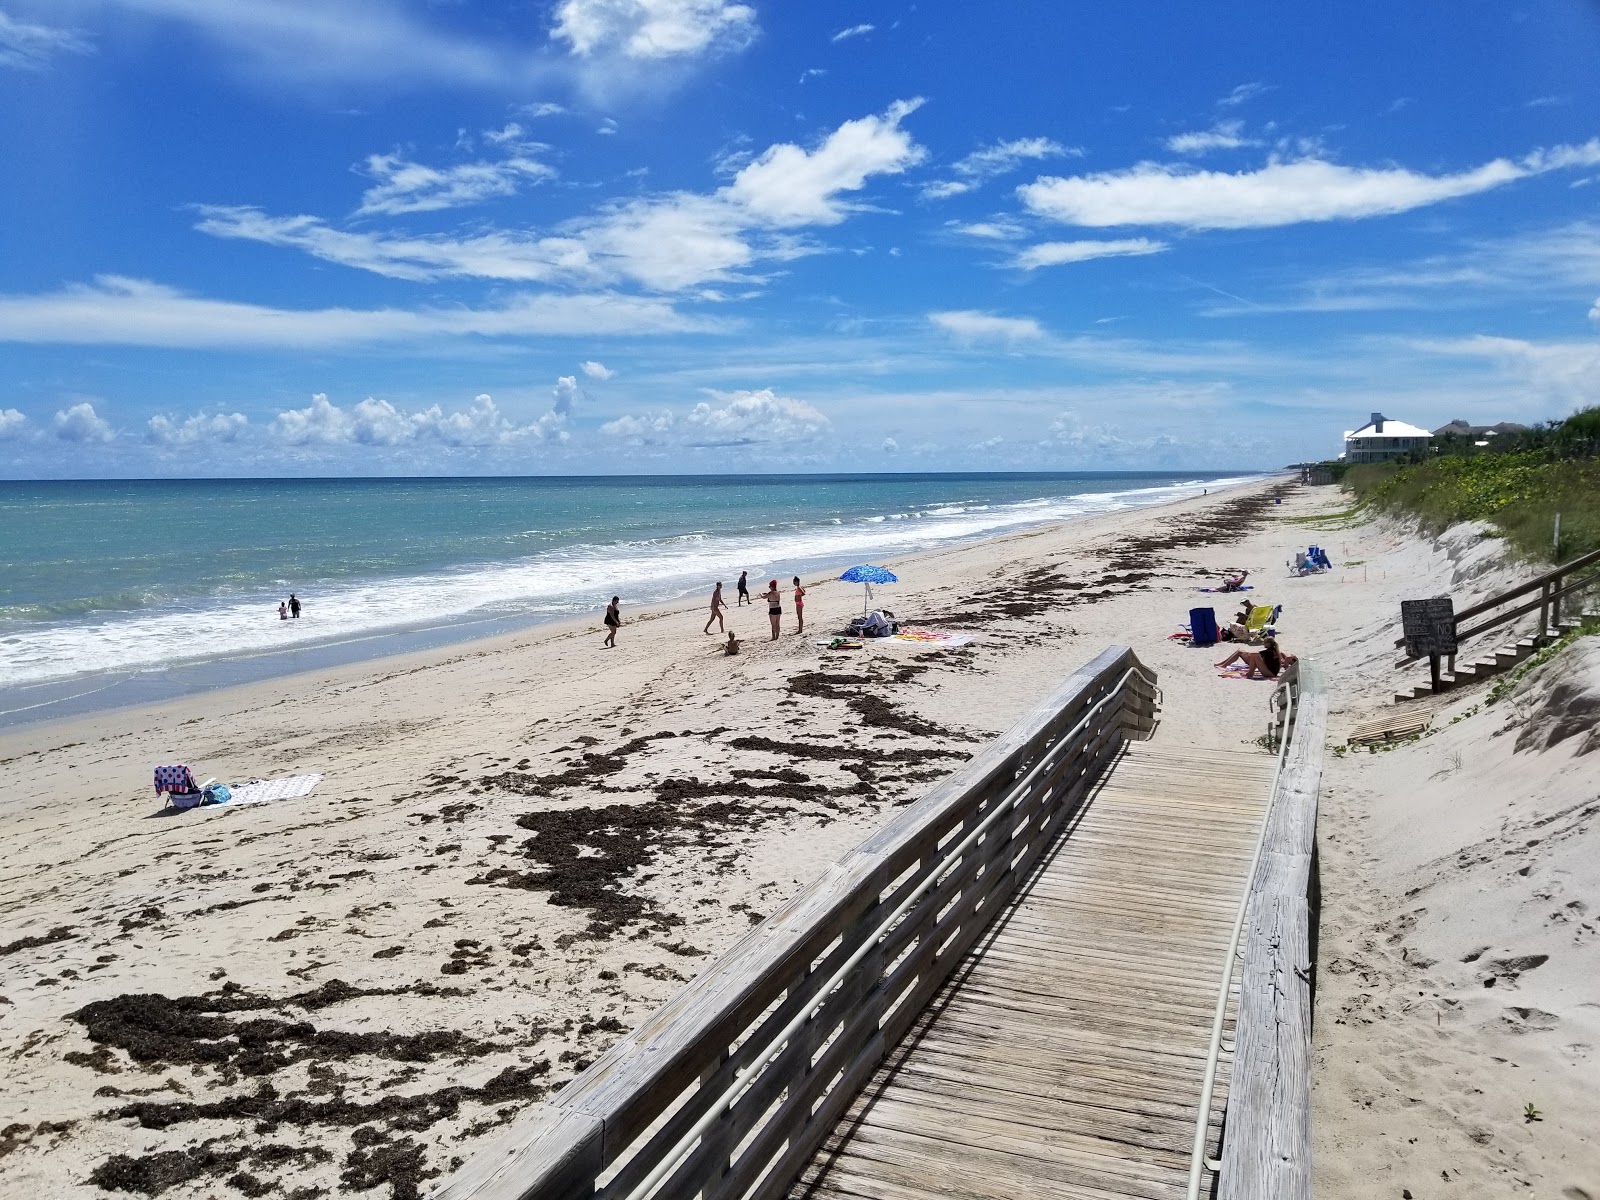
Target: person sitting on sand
x,y
1264,663
1239,629
1232,583
718,604
613,620
731,646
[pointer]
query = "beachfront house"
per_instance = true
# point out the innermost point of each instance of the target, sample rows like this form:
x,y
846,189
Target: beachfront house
x,y
1382,440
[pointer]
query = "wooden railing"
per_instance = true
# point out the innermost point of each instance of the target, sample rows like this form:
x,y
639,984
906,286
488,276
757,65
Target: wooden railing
x,y
1266,1147
727,1089
1553,586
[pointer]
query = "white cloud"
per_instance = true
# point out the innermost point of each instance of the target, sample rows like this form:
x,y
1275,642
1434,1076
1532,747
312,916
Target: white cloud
x,y
1054,254
543,108
890,446
345,41
789,186
986,162
1281,193
853,31
640,429
752,418
408,187
82,424
1224,135
1243,93
666,242
565,394
133,312
12,424
652,29
379,423
1566,373
597,370
1000,231
969,325
729,419
216,427
29,47
1594,313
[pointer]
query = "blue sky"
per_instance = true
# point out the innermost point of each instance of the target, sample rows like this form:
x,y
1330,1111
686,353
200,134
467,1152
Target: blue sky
x,y
275,237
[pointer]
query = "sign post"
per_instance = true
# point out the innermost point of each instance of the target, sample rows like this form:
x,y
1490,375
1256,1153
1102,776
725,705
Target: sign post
x,y
1430,629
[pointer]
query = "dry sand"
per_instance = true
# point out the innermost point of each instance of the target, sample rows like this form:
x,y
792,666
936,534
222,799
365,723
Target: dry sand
x,y
524,845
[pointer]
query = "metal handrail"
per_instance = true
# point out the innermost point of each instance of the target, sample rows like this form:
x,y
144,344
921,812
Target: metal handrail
x,y
1197,1158
747,1078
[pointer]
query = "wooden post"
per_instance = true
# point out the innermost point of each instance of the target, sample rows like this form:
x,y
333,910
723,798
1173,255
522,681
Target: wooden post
x,y
1433,670
1544,612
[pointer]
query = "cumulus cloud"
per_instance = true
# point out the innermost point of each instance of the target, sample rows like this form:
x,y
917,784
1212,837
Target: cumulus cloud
x,y
853,31
81,424
970,325
135,312
1054,254
751,418
407,187
890,445
28,47
652,29
986,162
597,370
12,423
1281,193
1224,135
665,242
375,422
728,420
163,430
564,395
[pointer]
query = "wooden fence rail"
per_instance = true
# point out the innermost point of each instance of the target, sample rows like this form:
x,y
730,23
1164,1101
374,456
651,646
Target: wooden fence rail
x,y
727,1089
1266,1147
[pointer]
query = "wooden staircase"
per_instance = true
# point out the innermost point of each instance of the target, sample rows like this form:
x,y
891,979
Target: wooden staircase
x,y
1497,661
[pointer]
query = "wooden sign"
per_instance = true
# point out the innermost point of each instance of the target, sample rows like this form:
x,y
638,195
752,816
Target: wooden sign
x,y
1429,626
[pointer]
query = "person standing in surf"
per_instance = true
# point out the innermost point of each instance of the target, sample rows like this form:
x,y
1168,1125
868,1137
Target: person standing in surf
x,y
744,588
294,606
774,599
799,606
613,620
718,605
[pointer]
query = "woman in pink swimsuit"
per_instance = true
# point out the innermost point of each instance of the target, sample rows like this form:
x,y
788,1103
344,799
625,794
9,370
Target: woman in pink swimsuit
x,y
799,606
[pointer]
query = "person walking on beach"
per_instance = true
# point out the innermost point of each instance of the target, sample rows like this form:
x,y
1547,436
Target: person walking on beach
x,y
799,606
774,599
718,605
294,606
613,619
744,587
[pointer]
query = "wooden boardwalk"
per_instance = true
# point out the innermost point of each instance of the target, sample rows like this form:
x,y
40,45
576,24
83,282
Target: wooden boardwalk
x,y
1064,1056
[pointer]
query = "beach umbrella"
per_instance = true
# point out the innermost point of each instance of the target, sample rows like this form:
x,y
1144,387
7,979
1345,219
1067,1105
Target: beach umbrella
x,y
868,574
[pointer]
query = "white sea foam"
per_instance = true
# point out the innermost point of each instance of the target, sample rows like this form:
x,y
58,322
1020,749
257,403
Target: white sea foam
x,y
556,582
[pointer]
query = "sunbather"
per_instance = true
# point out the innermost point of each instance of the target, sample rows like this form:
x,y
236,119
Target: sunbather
x,y
1264,663
1232,583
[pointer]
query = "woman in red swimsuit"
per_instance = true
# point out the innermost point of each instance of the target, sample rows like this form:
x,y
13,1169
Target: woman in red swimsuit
x,y
799,606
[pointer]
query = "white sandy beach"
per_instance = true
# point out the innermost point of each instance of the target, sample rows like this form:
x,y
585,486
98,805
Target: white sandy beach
x,y
523,845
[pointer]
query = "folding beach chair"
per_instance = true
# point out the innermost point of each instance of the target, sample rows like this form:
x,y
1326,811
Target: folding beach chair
x,y
177,784
1262,618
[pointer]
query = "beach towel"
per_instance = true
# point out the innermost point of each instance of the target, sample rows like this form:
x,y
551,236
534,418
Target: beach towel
x,y
176,778
839,643
260,791
1203,626
932,638
1243,587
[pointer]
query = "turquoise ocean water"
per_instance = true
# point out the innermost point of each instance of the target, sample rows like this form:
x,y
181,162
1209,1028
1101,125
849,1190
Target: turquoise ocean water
x,y
115,592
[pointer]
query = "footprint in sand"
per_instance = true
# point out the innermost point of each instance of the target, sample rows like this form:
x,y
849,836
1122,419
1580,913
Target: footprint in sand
x,y
1526,1020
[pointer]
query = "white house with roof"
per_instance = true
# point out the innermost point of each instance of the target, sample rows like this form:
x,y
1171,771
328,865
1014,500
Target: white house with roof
x,y
1381,440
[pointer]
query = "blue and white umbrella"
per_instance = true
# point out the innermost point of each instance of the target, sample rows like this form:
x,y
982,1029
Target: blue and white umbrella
x,y
868,574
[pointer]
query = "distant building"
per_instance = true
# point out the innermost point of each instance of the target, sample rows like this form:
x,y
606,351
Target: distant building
x,y
1381,440
1460,428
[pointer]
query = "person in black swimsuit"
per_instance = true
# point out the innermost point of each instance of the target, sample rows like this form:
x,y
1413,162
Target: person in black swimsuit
x,y
613,620
1264,663
774,599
